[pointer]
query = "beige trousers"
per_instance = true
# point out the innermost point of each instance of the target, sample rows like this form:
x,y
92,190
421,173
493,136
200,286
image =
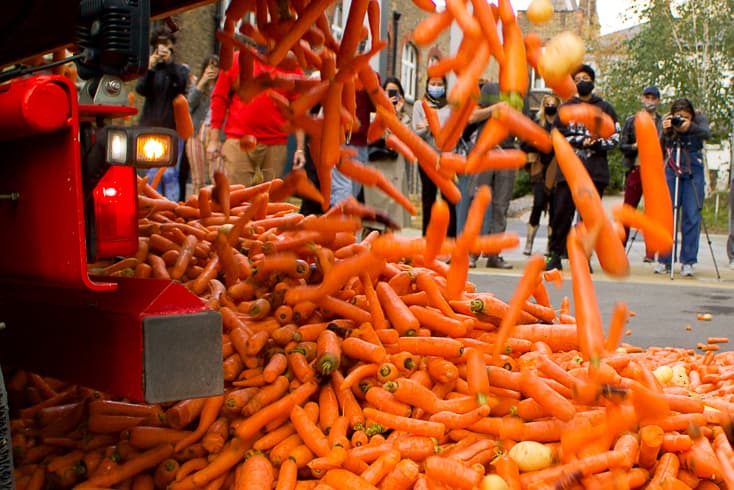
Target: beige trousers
x,y
262,163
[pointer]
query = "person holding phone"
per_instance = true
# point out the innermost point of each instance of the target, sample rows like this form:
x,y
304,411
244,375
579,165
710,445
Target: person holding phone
x,y
163,81
199,97
684,133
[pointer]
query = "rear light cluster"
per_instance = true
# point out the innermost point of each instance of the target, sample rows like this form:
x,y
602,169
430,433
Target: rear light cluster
x,y
115,195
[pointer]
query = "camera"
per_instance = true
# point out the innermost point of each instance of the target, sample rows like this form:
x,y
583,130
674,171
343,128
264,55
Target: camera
x,y
677,121
394,95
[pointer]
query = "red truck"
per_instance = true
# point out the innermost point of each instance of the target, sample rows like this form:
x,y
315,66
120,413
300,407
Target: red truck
x,y
68,197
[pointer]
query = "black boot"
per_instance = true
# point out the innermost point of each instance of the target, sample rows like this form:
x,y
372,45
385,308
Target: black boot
x,y
554,262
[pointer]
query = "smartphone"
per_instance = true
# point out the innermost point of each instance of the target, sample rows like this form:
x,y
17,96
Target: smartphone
x,y
393,92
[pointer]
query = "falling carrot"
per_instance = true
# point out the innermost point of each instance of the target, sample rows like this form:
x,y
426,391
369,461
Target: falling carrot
x,y
652,173
596,121
182,117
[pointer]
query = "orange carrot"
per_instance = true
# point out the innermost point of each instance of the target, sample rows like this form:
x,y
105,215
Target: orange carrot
x,y
523,291
437,228
652,174
451,472
414,426
428,30
182,117
146,460
522,126
596,121
616,326
397,312
587,312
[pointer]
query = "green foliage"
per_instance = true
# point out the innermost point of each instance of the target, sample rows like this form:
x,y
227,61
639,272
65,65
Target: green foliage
x,y
684,49
715,213
522,184
616,173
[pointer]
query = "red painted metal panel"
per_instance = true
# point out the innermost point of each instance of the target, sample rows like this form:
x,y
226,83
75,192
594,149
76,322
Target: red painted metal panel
x,y
44,228
91,338
31,106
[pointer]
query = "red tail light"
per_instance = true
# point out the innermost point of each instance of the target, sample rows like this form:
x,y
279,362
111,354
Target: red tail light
x,y
115,213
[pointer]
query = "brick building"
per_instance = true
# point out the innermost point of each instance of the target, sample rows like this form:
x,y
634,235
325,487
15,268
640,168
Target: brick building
x,y
402,57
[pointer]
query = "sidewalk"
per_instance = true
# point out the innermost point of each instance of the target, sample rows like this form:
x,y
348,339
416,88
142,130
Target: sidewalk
x,y
705,270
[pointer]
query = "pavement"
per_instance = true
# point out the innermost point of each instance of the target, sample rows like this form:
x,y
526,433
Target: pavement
x,y
712,268
665,311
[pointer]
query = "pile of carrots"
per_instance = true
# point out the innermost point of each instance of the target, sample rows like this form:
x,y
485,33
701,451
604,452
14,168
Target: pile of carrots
x,y
371,362
347,365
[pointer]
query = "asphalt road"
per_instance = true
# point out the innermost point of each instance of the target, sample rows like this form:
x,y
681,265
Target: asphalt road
x,y
663,307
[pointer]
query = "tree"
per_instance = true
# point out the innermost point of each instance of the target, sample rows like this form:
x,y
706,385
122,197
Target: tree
x,y
684,47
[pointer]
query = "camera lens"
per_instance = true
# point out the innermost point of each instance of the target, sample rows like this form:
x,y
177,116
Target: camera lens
x,y
676,121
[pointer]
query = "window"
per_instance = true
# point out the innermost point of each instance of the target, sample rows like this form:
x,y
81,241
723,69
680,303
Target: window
x,y
409,71
536,81
337,22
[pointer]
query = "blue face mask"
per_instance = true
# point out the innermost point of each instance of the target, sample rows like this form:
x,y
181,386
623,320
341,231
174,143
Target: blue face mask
x,y
436,92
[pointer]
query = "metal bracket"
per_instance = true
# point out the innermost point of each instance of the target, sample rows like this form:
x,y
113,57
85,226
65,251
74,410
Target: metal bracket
x,y
107,90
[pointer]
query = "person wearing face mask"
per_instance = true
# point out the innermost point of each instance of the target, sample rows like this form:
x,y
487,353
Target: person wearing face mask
x,y
542,168
628,144
684,132
592,151
435,95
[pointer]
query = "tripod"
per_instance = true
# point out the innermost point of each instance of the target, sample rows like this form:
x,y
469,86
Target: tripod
x,y
679,173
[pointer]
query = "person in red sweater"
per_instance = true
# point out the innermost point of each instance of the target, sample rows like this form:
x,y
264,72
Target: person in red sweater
x,y
258,117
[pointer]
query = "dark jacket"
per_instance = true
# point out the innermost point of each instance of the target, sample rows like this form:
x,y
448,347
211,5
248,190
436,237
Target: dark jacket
x,y
594,158
160,86
691,143
628,140
546,158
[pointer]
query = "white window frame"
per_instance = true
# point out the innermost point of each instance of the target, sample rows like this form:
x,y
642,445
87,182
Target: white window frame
x,y
409,71
337,21
536,81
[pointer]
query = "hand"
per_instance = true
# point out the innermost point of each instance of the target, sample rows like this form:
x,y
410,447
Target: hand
x,y
213,149
299,159
666,122
399,104
153,60
588,142
211,73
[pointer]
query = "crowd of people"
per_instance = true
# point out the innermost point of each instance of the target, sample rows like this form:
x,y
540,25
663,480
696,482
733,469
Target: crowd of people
x,y
225,116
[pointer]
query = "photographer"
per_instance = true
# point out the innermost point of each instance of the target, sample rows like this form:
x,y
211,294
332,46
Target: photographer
x,y
163,81
684,132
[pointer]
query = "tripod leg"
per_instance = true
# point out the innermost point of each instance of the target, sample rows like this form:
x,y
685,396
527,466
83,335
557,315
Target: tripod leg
x,y
676,212
631,241
699,208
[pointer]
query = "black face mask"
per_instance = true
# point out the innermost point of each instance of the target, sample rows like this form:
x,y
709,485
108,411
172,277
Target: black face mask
x,y
551,110
584,87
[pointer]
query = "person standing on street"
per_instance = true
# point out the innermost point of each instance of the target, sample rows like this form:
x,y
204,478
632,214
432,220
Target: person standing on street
x,y
435,96
628,144
684,132
592,150
202,170
259,118
163,81
542,169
